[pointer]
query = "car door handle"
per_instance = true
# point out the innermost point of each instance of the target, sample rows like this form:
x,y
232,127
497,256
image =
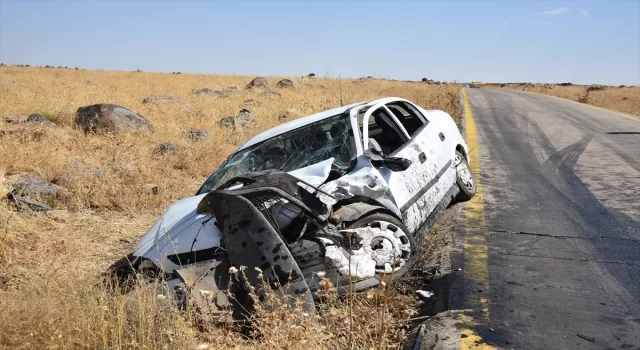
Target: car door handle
x,y
441,136
422,157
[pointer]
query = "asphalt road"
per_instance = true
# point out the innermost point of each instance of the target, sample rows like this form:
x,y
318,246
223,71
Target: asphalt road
x,y
561,195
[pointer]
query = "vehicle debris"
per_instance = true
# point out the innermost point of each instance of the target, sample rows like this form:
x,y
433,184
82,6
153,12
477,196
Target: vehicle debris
x,y
424,294
336,199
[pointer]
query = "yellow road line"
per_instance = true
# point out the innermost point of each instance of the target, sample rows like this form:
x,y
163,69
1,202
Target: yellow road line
x,y
475,249
628,116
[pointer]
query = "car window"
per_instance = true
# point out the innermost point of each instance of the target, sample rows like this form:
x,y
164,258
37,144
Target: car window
x,y
408,115
384,132
308,145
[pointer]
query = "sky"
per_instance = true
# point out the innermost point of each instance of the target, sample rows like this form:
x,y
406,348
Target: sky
x,y
584,42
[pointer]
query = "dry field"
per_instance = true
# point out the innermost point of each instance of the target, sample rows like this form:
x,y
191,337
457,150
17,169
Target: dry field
x,y
621,99
49,265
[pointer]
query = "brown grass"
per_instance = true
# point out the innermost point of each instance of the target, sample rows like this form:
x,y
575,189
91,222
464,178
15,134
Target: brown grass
x,y
621,99
49,297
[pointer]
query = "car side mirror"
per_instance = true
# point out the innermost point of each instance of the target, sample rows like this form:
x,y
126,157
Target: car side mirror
x,y
378,159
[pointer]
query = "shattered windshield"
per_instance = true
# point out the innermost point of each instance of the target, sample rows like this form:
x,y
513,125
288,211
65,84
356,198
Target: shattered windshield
x,y
308,145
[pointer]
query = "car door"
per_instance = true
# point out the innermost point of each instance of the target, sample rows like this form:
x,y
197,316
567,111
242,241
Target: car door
x,y
410,188
434,141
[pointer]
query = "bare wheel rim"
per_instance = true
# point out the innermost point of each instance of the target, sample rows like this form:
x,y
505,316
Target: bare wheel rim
x,y
389,245
464,173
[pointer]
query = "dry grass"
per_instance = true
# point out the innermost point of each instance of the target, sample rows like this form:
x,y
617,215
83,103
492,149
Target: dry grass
x,y
621,99
48,268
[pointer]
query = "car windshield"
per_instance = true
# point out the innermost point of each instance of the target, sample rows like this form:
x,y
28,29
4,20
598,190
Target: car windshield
x,y
308,145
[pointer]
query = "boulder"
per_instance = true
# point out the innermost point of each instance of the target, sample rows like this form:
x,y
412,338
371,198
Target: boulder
x,y
285,84
244,118
166,147
198,135
162,99
259,82
207,91
227,122
78,171
31,119
33,186
109,117
150,189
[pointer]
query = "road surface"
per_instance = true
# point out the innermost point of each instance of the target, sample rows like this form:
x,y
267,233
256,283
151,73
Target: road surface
x,y
551,248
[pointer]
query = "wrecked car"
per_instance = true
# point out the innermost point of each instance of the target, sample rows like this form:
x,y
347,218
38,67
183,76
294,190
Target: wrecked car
x,y
346,194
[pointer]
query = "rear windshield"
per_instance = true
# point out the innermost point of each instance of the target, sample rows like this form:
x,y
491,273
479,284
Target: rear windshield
x,y
308,145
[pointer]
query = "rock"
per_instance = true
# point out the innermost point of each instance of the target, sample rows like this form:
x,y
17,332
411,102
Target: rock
x,y
37,118
227,122
243,119
207,91
33,119
252,103
259,82
77,68
162,98
283,116
35,187
198,135
285,84
150,189
166,147
270,94
230,89
109,117
78,171
246,117
59,215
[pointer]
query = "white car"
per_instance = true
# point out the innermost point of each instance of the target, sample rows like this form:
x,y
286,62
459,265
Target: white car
x,y
346,194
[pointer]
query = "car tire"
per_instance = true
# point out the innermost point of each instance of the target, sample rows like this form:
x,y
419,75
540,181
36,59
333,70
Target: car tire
x,y
372,219
464,178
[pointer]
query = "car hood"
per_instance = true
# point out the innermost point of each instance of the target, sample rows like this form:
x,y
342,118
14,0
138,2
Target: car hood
x,y
181,229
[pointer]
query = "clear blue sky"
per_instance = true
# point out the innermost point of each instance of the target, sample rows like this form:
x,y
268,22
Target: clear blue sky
x,y
491,41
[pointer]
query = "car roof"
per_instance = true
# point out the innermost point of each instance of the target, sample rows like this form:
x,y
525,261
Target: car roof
x,y
298,123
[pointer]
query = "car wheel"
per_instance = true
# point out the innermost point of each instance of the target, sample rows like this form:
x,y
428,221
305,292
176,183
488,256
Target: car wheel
x,y
464,179
393,246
